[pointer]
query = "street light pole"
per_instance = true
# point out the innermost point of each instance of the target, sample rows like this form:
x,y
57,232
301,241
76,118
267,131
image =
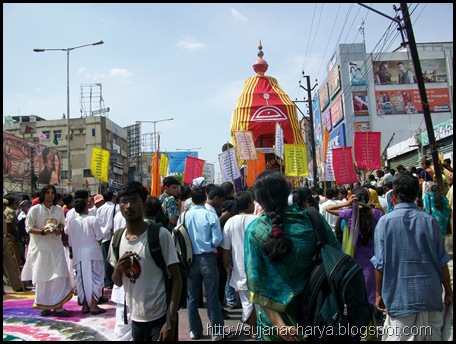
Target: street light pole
x,y
68,96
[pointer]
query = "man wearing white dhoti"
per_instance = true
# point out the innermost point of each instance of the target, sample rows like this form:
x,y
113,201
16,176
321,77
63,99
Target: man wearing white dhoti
x,y
84,238
45,265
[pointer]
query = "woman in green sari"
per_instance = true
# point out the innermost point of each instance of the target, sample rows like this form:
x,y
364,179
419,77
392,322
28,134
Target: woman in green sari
x,y
436,204
278,249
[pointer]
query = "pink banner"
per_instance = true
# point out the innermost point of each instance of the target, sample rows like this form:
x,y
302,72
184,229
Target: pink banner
x,y
193,169
367,150
344,170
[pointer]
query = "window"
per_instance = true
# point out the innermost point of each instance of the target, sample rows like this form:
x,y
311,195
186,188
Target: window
x,y
93,132
47,134
87,173
58,134
64,175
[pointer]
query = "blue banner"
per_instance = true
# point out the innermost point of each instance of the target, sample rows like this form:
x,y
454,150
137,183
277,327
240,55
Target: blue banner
x,y
176,161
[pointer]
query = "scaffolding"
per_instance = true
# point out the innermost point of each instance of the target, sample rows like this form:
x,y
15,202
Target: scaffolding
x,y
92,102
148,142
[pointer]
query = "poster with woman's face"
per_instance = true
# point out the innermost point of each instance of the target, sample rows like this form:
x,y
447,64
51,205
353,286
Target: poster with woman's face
x,y
19,155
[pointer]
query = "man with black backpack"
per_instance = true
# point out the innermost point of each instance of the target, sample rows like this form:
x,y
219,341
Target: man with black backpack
x,y
153,318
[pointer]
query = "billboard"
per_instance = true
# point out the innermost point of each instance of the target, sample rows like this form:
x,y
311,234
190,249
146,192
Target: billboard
x,y
21,156
397,102
176,163
403,72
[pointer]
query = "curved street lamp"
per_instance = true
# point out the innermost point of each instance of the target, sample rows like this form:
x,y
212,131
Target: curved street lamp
x,y
155,131
68,95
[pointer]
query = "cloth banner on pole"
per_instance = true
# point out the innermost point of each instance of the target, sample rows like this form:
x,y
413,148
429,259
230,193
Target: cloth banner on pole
x,y
254,168
193,169
279,141
342,163
325,144
229,165
367,150
155,187
100,163
245,145
163,164
296,160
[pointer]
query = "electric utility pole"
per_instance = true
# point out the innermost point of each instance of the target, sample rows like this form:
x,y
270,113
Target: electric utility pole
x,y
311,123
420,82
424,101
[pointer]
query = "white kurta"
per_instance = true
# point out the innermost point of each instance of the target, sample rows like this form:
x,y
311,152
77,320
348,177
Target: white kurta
x,y
233,239
84,234
45,265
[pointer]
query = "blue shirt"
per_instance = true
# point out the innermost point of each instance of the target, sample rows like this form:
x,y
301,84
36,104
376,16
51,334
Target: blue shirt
x,y
410,251
203,228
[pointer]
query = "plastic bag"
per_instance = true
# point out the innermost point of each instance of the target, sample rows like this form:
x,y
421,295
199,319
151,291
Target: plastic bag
x,y
447,330
347,240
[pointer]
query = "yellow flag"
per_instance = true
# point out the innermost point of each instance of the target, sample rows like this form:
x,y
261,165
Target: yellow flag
x,y
100,163
163,164
296,160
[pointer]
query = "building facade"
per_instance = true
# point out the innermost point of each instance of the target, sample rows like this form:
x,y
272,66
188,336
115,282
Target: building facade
x,y
85,134
378,92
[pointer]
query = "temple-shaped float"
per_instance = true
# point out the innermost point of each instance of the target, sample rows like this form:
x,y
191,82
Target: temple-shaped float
x,y
260,106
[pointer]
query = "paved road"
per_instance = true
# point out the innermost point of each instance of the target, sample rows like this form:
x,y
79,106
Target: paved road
x,y
22,322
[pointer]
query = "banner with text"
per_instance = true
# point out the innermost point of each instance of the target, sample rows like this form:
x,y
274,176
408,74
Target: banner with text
x,y
399,102
193,169
279,141
100,163
367,150
229,165
245,145
164,164
342,164
296,160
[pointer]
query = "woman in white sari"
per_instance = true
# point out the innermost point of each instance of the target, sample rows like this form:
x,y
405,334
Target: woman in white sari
x,y
45,265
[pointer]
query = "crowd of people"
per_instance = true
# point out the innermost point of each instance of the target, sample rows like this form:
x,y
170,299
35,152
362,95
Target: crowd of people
x,y
252,250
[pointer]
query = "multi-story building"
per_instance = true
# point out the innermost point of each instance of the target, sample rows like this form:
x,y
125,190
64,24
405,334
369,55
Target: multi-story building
x,y
367,92
85,134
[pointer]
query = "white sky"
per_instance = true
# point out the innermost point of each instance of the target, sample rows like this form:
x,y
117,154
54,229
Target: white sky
x,y
183,61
